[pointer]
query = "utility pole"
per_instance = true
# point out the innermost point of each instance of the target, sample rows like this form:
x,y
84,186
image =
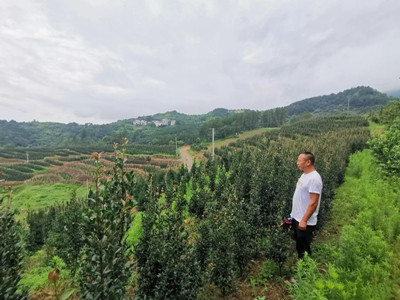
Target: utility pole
x,y
212,153
27,157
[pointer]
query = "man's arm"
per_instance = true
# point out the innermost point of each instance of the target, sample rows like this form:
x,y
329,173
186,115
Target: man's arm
x,y
312,206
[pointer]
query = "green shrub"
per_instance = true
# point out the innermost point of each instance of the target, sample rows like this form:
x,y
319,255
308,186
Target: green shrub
x,y
361,265
38,270
386,148
135,232
269,269
166,264
364,258
65,239
53,162
11,251
40,223
105,267
41,163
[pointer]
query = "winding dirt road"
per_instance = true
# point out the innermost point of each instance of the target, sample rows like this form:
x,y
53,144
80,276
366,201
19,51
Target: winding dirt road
x,y
186,158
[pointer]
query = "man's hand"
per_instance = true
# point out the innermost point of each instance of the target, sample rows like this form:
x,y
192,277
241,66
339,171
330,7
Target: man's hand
x,y
302,225
312,206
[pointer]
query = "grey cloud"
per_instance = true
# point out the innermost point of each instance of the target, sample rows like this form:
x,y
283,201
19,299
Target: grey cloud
x,y
99,61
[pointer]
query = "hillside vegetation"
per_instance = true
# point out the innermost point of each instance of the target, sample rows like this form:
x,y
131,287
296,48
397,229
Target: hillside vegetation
x,y
188,128
215,232
193,234
360,257
357,100
43,196
75,165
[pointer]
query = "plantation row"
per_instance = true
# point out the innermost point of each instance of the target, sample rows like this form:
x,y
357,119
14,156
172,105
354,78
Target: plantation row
x,y
20,172
190,231
364,262
310,127
37,153
245,121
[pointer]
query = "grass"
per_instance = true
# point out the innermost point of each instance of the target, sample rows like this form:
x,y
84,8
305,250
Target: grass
x,y
246,134
365,189
34,197
42,171
225,142
193,153
375,128
161,154
358,254
199,155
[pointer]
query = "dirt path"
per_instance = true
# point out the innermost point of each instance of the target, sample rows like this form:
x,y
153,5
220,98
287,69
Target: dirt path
x,y
186,158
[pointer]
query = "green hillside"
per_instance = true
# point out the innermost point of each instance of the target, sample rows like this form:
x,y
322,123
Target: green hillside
x,y
215,232
187,129
357,100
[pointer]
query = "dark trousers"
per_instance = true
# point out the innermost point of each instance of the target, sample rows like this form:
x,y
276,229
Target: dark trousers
x,y
303,239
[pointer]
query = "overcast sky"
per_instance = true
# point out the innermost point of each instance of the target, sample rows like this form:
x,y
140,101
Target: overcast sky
x,y
104,60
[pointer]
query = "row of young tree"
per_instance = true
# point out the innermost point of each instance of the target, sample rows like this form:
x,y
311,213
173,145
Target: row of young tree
x,y
191,229
359,257
244,121
40,153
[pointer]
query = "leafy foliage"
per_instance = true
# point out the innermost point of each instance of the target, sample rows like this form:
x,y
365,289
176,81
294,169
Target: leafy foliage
x,y
386,148
40,223
38,268
206,225
243,121
188,128
386,114
241,198
105,267
59,229
166,264
11,251
66,237
365,262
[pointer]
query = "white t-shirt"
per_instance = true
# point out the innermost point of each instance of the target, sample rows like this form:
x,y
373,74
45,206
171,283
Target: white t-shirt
x,y
307,183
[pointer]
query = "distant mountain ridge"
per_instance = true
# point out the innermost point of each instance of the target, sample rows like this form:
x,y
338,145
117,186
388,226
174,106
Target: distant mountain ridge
x,y
182,118
359,100
188,128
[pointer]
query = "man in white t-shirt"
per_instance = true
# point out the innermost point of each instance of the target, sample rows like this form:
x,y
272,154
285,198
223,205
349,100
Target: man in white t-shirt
x,y
306,201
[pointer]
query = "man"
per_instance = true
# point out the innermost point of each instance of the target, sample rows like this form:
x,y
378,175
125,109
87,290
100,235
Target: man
x,y
306,201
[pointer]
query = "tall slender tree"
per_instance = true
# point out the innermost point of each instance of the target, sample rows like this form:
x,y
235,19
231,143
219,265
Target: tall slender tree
x,y
11,253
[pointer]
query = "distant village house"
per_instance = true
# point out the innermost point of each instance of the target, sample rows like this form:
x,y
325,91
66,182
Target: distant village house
x,y
139,122
158,123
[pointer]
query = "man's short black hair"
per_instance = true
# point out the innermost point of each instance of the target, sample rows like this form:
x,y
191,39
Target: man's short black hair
x,y
309,156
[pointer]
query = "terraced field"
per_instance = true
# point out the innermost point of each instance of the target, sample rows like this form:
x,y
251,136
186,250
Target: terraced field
x,y
72,169
47,180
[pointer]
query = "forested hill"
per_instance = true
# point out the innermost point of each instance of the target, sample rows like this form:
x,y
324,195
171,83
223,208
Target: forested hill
x,y
190,119
187,129
182,119
360,99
